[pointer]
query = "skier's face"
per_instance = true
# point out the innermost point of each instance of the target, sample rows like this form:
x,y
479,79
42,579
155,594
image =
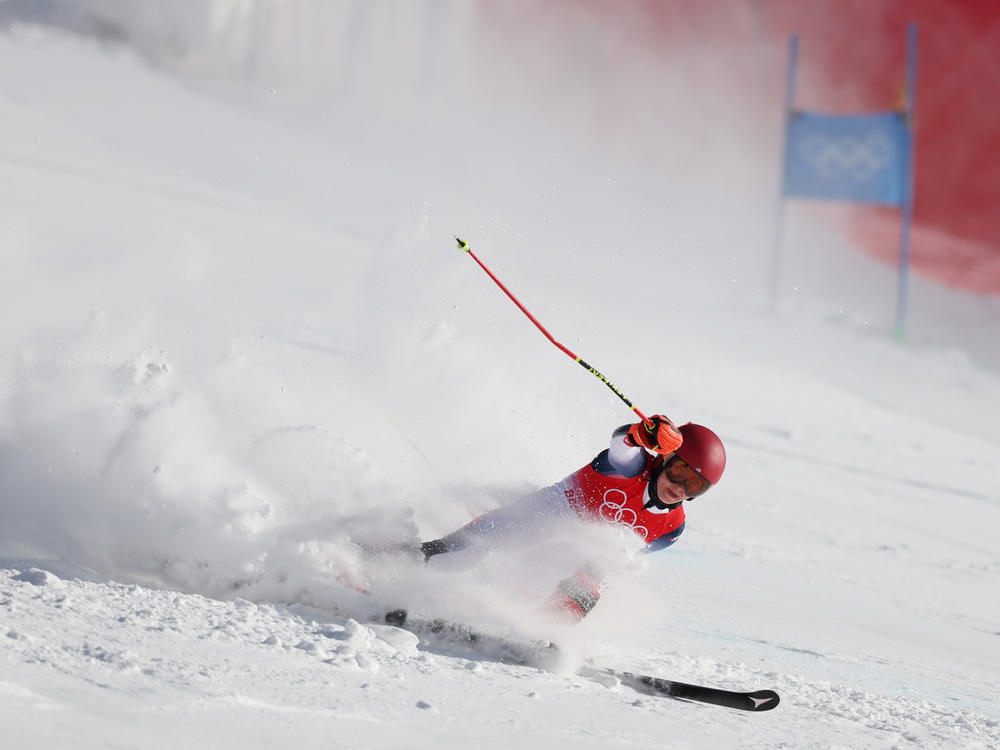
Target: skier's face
x,y
678,481
669,491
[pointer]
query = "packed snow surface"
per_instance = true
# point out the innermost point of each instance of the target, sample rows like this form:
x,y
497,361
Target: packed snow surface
x,y
239,345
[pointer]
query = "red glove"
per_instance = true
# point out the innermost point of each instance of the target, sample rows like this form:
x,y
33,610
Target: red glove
x,y
660,436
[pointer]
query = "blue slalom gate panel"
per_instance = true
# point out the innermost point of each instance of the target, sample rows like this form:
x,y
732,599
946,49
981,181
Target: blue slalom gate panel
x,y
859,158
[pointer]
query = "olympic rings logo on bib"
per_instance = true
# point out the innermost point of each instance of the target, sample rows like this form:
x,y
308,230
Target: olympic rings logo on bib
x,y
619,515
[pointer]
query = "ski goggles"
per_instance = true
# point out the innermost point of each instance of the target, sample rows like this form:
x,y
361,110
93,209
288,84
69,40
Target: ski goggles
x,y
679,472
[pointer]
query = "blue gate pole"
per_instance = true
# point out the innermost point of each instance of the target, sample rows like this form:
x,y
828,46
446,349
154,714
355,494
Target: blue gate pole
x,y
909,164
779,218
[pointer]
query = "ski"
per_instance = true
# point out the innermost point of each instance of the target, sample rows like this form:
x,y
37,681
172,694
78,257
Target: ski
x,y
546,656
438,631
757,700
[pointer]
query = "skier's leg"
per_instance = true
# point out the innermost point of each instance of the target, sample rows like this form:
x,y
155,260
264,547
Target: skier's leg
x,y
526,521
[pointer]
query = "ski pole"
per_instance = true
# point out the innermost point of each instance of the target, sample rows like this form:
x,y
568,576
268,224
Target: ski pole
x,y
463,245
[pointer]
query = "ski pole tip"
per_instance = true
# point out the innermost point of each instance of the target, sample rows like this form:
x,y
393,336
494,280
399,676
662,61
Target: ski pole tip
x,y
462,244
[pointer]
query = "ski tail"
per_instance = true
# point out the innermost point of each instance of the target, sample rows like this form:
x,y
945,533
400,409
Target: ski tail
x,y
438,632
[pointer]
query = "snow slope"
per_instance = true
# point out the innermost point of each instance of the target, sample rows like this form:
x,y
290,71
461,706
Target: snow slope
x,y
236,330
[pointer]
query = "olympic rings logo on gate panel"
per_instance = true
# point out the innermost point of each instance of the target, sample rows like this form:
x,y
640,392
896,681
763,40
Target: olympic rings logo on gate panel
x,y
859,159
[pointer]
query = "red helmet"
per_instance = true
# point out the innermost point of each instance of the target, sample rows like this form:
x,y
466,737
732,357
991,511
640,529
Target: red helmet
x,y
702,451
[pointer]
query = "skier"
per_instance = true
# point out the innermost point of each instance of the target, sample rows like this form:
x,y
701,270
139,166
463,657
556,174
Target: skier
x,y
641,481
